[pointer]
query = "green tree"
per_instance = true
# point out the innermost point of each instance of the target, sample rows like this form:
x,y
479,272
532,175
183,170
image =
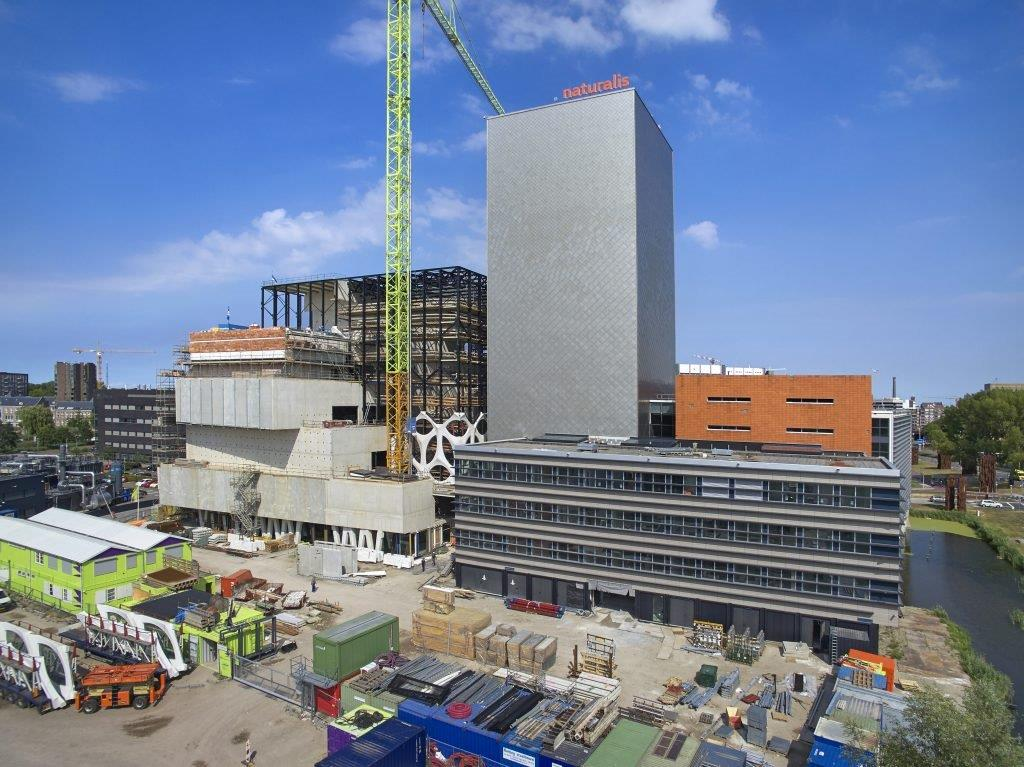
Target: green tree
x,y
36,421
984,422
81,429
45,389
8,438
938,732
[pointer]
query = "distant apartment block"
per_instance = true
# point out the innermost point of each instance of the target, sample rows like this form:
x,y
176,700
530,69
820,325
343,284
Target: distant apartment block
x,y
831,412
76,381
927,413
124,422
13,384
1004,385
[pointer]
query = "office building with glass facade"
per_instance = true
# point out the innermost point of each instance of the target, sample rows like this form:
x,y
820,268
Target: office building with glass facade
x,y
803,547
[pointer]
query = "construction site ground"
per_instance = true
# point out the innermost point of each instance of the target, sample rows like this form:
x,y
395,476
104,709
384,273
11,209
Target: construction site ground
x,y
204,720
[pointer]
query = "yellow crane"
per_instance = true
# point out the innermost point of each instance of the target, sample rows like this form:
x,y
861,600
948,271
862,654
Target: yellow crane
x,y
398,211
99,351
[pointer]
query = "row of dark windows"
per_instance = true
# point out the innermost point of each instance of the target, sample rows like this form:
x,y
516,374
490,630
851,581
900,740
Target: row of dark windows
x,y
692,568
771,491
821,539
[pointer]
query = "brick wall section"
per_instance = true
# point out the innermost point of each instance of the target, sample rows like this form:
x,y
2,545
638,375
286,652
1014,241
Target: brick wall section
x,y
248,340
769,415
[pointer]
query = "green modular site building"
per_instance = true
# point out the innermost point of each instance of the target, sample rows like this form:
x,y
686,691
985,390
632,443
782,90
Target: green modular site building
x,y
73,561
340,651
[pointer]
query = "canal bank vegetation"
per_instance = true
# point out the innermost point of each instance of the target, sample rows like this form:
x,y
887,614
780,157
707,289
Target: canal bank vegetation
x,y
939,732
971,661
1017,618
994,536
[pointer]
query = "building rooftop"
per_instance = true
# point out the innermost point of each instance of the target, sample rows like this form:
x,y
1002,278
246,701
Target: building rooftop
x,y
106,530
564,445
22,401
73,404
51,540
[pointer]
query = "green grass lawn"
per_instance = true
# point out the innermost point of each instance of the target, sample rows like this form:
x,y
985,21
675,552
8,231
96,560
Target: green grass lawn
x,y
1009,521
941,526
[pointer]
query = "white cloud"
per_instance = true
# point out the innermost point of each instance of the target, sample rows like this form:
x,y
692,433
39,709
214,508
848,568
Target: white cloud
x,y
441,148
88,88
753,33
698,81
841,121
684,20
357,163
240,81
475,141
522,27
364,42
445,204
273,241
918,71
704,233
732,89
932,82
724,107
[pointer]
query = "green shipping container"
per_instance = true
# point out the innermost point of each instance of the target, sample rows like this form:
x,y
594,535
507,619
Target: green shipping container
x,y
385,701
340,651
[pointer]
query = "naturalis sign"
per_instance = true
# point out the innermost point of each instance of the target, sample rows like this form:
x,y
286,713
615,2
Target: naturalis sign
x,y
589,89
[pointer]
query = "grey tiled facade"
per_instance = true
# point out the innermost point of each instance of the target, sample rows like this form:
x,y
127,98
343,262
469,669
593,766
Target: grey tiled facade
x,y
581,300
791,545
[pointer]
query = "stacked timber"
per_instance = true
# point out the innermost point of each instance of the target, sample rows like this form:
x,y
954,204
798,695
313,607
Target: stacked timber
x,y
452,633
502,645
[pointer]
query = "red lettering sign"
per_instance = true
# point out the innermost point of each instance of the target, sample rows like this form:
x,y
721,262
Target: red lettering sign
x,y
589,89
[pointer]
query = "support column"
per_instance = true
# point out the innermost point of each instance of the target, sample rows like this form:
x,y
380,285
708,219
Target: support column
x,y
298,532
380,540
335,534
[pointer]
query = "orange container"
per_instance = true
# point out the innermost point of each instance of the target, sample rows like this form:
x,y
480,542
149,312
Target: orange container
x,y
888,665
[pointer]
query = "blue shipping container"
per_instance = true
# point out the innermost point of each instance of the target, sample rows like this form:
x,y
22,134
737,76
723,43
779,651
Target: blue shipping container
x,y
464,735
390,744
414,712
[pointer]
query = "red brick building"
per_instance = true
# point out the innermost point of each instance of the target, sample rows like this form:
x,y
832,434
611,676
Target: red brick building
x,y
829,411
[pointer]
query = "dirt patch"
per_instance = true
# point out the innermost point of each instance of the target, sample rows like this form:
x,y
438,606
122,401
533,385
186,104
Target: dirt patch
x,y
146,726
199,763
240,738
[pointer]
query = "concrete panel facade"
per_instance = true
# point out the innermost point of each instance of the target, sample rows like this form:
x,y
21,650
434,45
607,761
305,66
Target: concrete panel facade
x,y
581,310
318,451
260,403
392,507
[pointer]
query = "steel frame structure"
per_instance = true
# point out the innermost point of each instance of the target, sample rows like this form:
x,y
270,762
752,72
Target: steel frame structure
x,y
448,333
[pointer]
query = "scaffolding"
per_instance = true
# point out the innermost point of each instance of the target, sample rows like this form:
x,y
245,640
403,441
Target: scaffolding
x,y
448,333
168,434
246,501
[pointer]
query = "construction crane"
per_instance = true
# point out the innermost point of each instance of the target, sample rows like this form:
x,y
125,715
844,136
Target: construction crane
x,y
398,211
99,351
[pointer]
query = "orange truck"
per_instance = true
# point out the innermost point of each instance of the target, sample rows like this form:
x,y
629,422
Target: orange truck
x,y
137,685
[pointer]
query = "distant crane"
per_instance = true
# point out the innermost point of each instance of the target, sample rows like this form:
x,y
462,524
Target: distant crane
x,y
398,210
99,351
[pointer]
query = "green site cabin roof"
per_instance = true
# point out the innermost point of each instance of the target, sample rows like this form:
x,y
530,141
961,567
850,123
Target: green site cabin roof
x,y
60,543
624,746
118,533
356,626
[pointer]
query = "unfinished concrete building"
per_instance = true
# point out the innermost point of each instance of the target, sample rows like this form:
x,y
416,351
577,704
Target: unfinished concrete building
x,y
448,349
279,442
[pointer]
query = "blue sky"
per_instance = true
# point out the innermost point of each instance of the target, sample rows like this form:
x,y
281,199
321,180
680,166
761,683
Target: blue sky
x,y
848,174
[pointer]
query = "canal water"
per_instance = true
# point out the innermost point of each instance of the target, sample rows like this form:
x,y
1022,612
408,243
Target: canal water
x,y
978,590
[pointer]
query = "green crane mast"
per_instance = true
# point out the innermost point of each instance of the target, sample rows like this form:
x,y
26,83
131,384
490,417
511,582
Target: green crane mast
x,y
398,210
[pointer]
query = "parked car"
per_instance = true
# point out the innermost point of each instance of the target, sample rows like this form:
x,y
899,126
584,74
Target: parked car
x,y
937,499
6,603
988,503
